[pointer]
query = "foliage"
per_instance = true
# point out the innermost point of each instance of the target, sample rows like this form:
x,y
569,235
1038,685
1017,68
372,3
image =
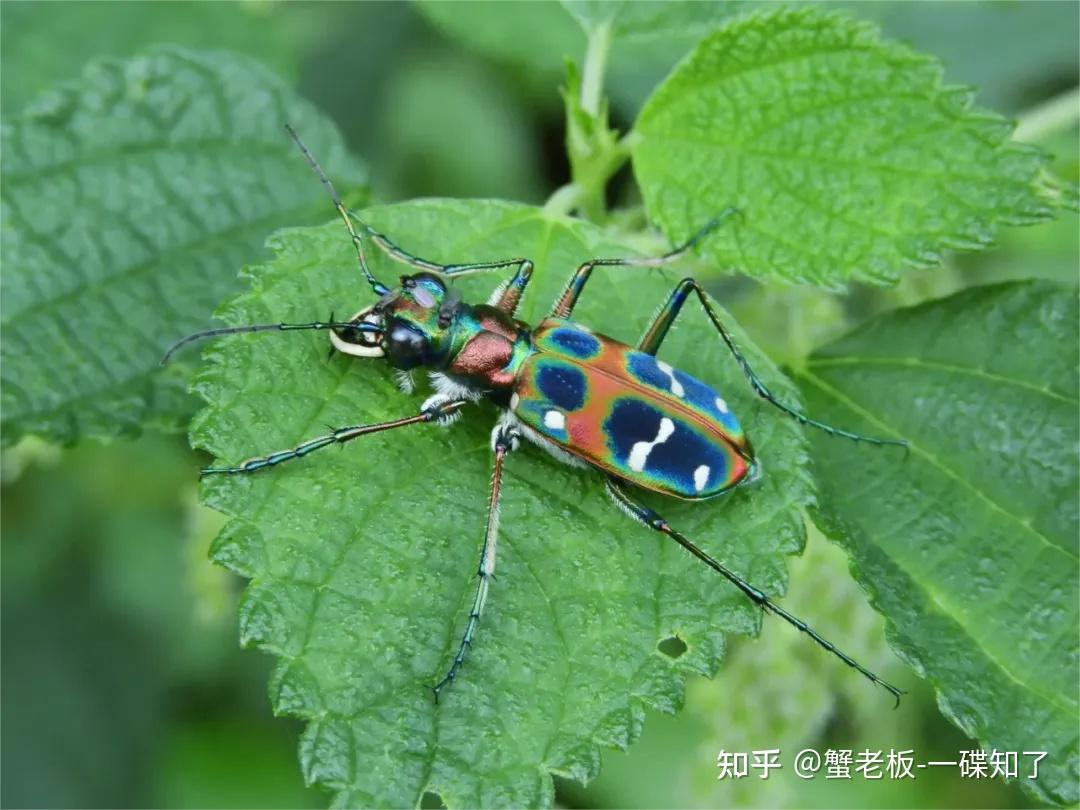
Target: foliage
x,y
567,654
848,157
969,547
132,195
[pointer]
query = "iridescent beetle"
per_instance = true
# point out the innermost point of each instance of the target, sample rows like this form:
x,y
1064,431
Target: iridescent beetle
x,y
586,399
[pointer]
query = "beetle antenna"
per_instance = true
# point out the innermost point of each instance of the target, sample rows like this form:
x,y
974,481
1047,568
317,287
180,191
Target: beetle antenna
x,y
264,327
379,288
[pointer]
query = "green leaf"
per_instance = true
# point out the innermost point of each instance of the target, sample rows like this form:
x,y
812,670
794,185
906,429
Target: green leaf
x,y
129,198
847,155
652,19
363,560
776,692
649,37
1019,47
592,147
539,35
542,34
46,43
969,545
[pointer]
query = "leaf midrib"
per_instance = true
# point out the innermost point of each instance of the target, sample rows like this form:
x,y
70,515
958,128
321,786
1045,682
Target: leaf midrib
x,y
914,447
833,161
750,67
918,362
102,159
204,243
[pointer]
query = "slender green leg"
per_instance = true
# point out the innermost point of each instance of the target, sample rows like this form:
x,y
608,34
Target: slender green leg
x,y
654,521
509,295
658,330
565,305
504,441
438,412
397,253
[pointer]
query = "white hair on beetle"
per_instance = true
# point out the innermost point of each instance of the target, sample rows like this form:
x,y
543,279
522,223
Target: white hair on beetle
x,y
509,426
438,400
452,390
497,293
551,448
622,507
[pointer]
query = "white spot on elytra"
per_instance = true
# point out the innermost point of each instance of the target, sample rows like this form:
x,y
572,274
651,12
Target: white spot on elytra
x,y
701,477
639,453
721,405
514,399
676,386
554,420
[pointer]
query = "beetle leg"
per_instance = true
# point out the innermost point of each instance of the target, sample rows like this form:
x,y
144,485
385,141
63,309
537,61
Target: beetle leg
x,y
658,330
504,439
399,254
508,295
565,305
436,412
648,517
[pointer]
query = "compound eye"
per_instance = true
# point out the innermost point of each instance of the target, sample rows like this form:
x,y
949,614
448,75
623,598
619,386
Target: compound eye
x,y
405,347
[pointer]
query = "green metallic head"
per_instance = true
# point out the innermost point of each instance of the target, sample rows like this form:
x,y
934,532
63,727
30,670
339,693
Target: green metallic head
x,y
413,322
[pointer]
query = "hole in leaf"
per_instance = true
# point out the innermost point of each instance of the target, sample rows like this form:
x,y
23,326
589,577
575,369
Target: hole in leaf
x,y
673,647
432,801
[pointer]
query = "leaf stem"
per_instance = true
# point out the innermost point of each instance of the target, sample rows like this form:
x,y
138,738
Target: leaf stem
x,y
595,150
596,54
1058,114
563,200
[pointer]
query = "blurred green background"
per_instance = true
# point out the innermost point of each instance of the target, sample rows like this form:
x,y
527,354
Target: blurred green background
x,y
122,681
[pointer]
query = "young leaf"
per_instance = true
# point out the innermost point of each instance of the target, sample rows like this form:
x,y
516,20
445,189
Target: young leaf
x,y
969,545
129,198
543,33
538,35
363,559
648,36
651,19
846,154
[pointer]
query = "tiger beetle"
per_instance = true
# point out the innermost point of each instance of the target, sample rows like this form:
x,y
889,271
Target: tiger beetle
x,y
588,400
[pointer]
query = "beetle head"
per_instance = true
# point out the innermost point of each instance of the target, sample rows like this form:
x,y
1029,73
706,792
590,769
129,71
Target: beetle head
x,y
414,321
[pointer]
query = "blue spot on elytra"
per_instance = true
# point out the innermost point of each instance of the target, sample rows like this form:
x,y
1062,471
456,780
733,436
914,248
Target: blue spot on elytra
x,y
631,421
674,460
643,366
564,386
696,393
704,399
576,343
